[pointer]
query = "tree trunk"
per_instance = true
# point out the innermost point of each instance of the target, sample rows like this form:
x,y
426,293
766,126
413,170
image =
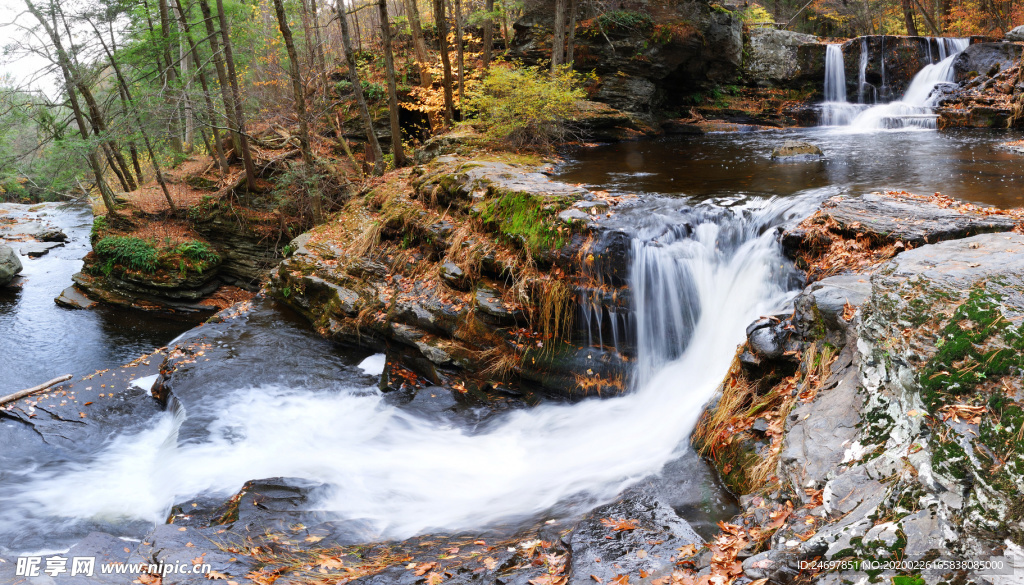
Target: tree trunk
x,y
319,46
418,43
488,32
299,94
461,56
236,96
558,40
372,145
170,76
446,62
570,44
222,76
908,16
211,111
389,64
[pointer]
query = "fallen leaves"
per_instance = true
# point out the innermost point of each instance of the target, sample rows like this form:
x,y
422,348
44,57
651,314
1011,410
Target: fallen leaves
x,y
620,525
962,412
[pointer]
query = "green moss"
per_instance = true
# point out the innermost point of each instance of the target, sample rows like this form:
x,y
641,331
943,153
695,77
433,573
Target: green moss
x,y
526,219
967,355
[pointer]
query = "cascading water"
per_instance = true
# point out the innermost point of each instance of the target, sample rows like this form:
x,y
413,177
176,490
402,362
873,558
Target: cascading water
x,y
700,274
913,110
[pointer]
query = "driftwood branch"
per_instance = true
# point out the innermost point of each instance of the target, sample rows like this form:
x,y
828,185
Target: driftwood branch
x,y
34,389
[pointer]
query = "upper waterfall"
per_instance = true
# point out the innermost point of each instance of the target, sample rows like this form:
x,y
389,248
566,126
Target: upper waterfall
x,y
912,110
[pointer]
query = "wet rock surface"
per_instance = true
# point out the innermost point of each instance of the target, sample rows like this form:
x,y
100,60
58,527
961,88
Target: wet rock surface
x,y
985,59
638,536
897,217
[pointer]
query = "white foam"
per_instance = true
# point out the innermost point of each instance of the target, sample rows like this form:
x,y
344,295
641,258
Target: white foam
x,y
373,365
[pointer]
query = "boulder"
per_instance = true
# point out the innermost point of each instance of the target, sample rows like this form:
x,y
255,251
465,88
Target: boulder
x,y
10,265
986,59
1016,34
796,150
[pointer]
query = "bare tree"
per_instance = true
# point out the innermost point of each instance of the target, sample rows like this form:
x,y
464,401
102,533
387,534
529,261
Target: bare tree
x,y
211,111
64,64
142,128
459,40
488,32
222,75
558,42
389,64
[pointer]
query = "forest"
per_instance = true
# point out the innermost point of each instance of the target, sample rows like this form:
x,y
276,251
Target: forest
x,y
133,88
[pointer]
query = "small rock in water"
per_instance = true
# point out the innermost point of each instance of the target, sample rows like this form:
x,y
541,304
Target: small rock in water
x,y
793,149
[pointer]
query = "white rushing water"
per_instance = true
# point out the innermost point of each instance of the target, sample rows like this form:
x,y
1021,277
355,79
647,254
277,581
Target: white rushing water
x,y
700,276
912,111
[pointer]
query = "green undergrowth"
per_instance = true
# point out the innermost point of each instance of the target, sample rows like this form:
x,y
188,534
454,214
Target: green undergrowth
x,y
146,256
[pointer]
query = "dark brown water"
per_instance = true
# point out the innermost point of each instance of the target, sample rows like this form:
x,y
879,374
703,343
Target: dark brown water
x,y
967,165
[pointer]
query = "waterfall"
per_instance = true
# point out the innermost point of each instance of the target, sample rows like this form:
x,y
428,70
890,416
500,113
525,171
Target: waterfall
x,y
862,72
913,110
700,274
835,74
836,111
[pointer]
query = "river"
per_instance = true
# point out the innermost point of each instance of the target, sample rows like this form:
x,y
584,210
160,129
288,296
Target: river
x,y
279,401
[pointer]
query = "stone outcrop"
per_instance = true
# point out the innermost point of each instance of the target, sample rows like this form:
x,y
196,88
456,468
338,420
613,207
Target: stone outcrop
x,y
985,59
988,76
466,272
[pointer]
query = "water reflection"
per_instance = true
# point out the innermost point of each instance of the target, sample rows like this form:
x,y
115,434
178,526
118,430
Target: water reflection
x,y
963,164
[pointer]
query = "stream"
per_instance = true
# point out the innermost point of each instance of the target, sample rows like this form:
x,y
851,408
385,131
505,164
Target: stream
x,y
281,402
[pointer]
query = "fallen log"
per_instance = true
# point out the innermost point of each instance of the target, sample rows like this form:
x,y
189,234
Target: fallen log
x,y
34,389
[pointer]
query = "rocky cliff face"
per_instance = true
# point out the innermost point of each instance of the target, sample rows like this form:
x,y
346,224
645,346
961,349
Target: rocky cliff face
x,y
898,436
783,59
